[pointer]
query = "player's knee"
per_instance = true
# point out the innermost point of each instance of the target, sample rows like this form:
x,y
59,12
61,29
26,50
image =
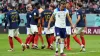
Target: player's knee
x,y
81,34
68,36
35,32
74,34
57,38
61,40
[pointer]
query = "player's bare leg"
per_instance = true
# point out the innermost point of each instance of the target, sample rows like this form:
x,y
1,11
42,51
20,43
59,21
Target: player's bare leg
x,y
20,41
42,41
40,36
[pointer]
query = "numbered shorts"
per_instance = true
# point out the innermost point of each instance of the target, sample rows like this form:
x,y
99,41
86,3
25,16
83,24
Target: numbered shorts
x,y
60,32
68,30
50,31
34,29
13,32
29,31
78,30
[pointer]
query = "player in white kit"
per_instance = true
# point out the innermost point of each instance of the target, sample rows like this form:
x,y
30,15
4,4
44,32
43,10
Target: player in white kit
x,y
60,15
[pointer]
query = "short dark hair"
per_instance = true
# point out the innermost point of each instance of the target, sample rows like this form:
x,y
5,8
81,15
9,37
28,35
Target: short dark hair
x,y
79,4
63,2
37,5
10,6
46,6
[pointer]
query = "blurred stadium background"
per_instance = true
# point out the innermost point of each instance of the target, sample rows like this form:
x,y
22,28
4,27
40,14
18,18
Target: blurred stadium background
x,y
91,7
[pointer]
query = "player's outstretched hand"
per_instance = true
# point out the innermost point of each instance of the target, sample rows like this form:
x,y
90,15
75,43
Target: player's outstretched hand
x,y
4,30
72,26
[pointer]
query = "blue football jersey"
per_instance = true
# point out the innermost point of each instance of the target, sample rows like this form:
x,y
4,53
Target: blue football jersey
x,y
81,22
12,19
67,21
35,13
28,17
46,14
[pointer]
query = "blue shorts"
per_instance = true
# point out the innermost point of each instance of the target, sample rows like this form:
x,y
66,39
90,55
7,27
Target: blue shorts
x,y
60,32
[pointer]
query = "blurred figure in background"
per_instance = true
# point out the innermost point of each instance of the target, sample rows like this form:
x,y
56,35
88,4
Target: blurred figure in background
x,y
97,20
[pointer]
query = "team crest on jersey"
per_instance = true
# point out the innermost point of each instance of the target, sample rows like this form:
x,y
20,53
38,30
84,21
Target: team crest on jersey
x,y
77,13
83,11
58,15
34,13
30,16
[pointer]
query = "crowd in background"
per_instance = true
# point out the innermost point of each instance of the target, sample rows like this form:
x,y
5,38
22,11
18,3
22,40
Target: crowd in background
x,y
90,6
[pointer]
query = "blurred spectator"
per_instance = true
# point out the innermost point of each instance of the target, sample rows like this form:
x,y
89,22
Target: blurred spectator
x,y
98,3
91,6
1,17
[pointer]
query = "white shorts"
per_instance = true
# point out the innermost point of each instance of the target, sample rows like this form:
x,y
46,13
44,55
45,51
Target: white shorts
x,y
29,31
78,30
34,29
13,32
68,30
50,31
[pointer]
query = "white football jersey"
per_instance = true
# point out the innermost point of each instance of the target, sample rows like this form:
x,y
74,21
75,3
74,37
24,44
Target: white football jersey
x,y
60,17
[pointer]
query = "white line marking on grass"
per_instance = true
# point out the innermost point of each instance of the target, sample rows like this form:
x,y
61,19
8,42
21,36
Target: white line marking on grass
x,y
84,52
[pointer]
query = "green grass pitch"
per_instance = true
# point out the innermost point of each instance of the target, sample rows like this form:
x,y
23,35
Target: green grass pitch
x,y
92,47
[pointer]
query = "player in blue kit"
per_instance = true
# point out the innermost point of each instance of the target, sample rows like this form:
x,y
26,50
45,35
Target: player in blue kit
x,y
13,19
80,26
60,15
46,14
29,17
68,28
34,26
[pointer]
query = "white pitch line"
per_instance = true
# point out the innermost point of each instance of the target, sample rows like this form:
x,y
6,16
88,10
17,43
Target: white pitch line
x,y
84,52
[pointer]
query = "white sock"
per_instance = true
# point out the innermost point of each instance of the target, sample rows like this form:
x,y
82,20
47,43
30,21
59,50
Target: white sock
x,y
61,47
22,44
56,45
35,45
28,44
82,46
